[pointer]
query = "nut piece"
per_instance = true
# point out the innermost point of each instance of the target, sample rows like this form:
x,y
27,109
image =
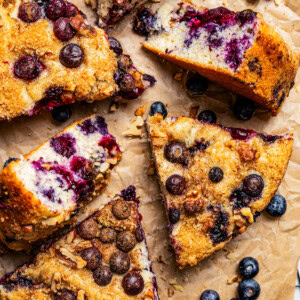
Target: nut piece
x,y
134,130
191,207
246,212
56,279
232,279
121,209
141,110
246,152
239,221
208,225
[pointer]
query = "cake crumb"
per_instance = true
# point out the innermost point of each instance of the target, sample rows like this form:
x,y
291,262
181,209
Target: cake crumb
x,y
232,279
178,76
170,292
134,130
141,110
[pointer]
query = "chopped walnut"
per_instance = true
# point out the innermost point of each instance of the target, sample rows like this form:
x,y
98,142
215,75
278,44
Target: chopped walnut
x,y
246,212
141,110
239,220
193,111
134,130
80,263
232,279
208,225
246,152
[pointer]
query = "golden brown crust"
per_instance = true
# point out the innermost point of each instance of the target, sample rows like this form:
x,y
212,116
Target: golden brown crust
x,y
23,218
267,72
61,267
190,237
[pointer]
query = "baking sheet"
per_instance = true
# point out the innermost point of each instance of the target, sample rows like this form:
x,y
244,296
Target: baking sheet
x,y
273,242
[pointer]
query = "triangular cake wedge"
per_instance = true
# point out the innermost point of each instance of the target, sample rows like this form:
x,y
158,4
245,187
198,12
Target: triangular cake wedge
x,y
103,258
51,56
110,12
44,189
215,180
238,50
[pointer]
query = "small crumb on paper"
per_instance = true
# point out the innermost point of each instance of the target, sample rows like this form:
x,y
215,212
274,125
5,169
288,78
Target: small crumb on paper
x,y
134,130
232,279
141,110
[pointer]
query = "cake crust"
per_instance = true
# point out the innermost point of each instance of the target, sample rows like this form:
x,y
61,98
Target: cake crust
x,y
266,74
224,210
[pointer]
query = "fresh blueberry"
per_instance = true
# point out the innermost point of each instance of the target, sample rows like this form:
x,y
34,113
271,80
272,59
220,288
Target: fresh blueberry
x,y
196,85
248,267
71,56
61,113
9,161
158,108
253,185
248,289
63,30
29,12
277,206
115,46
215,174
207,116
174,215
28,67
246,16
209,295
56,9
176,184
244,109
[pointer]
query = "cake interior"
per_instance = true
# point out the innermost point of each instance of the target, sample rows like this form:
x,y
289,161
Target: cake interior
x,y
63,170
218,37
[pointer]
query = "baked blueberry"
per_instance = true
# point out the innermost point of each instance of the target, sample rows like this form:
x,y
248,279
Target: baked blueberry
x,y
277,206
196,85
124,62
209,295
92,256
244,109
139,235
215,174
71,56
71,10
133,283
9,161
248,267
174,215
248,289
253,185
119,262
107,235
175,152
127,83
64,145
115,46
143,22
29,12
88,229
56,9
65,295
121,209
126,241
158,108
245,16
28,67
63,30
207,116
102,275
61,113
175,184
129,194
149,78
239,199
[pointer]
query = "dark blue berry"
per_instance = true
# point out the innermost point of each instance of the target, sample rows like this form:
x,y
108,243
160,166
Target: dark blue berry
x,y
115,46
158,108
207,116
175,152
248,267
56,9
174,215
196,85
277,206
216,174
209,295
71,56
244,109
61,113
9,161
253,185
63,30
248,289
28,67
143,22
29,12
176,184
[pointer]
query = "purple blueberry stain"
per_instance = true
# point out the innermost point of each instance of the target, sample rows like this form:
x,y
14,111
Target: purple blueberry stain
x,y
28,67
218,233
129,194
64,145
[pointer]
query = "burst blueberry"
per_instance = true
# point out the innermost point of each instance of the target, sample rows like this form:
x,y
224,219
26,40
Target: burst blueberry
x,y
29,12
28,67
56,9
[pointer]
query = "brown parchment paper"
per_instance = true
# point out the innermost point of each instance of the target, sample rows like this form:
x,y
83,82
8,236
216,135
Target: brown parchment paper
x,y
275,243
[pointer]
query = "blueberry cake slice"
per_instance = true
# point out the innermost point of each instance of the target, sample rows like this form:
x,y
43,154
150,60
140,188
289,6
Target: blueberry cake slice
x,y
235,49
104,257
215,180
51,56
44,189
111,11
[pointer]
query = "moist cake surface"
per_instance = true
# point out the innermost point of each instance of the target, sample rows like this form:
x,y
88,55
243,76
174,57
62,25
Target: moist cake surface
x,y
215,181
104,257
236,49
51,56
47,187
